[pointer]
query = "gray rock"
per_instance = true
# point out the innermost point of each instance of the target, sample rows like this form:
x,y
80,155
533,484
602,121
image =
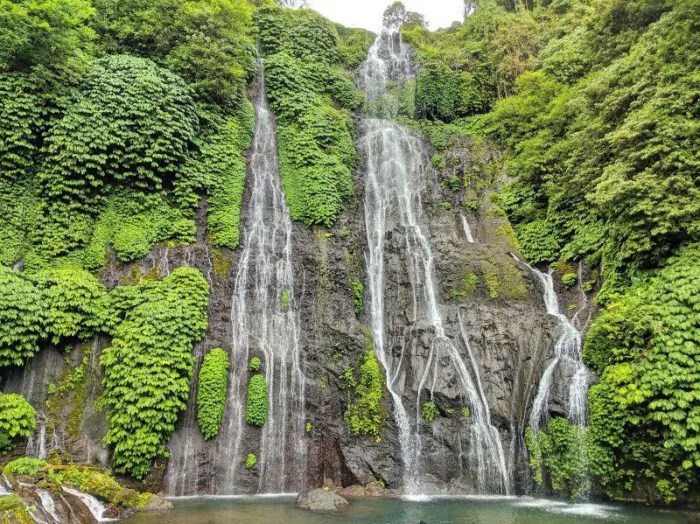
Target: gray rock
x,y
158,504
320,500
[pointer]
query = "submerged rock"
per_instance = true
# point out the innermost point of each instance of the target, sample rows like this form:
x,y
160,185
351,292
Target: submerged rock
x,y
321,500
157,504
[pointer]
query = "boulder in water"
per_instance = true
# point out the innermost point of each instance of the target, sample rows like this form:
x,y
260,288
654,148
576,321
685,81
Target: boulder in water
x,y
353,492
157,504
320,500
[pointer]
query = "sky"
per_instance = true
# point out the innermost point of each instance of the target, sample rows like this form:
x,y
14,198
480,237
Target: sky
x,y
368,13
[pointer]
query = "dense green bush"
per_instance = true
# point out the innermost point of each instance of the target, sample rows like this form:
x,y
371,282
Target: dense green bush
x,y
45,35
21,318
317,153
211,392
562,452
132,129
365,413
254,364
148,367
23,466
74,303
645,412
17,420
224,165
207,42
256,401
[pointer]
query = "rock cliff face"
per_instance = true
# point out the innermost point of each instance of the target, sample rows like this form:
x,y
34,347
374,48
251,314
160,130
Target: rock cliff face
x,y
484,294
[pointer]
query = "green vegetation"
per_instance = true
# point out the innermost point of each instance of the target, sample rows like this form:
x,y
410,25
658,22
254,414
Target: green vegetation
x,y
358,294
429,411
87,479
250,460
560,452
256,401
13,509
74,301
148,367
310,95
99,484
254,364
365,413
21,318
644,416
17,420
23,466
211,392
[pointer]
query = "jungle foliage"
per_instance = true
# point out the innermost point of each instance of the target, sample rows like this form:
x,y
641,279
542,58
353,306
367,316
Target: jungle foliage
x,y
311,96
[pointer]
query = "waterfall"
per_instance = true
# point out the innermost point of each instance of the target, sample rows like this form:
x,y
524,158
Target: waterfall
x,y
467,229
48,505
95,506
265,323
396,169
567,349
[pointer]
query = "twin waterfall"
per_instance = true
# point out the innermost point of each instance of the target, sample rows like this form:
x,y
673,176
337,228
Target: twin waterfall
x,y
395,177
434,358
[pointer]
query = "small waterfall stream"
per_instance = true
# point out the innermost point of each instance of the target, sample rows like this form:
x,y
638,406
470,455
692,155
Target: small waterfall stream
x,y
567,349
396,175
265,323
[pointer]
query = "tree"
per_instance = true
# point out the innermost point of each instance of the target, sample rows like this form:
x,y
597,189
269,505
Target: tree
x,y
49,35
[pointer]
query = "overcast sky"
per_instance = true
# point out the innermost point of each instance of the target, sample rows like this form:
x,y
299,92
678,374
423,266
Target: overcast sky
x,y
368,13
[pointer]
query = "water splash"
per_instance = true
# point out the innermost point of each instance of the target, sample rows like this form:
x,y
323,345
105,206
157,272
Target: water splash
x,y
397,165
265,322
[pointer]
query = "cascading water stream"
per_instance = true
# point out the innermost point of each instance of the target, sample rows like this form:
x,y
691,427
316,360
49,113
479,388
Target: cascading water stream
x,y
396,175
567,349
265,323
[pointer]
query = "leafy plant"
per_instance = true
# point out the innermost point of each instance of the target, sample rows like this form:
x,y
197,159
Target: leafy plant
x,y
17,421
21,318
148,367
211,392
429,411
24,466
257,401
254,364
250,460
365,414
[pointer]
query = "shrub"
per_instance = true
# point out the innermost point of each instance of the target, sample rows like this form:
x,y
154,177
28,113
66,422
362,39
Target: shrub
x,y
569,279
257,401
250,460
148,367
365,414
74,303
21,318
17,420
254,364
211,392
24,466
358,292
429,412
